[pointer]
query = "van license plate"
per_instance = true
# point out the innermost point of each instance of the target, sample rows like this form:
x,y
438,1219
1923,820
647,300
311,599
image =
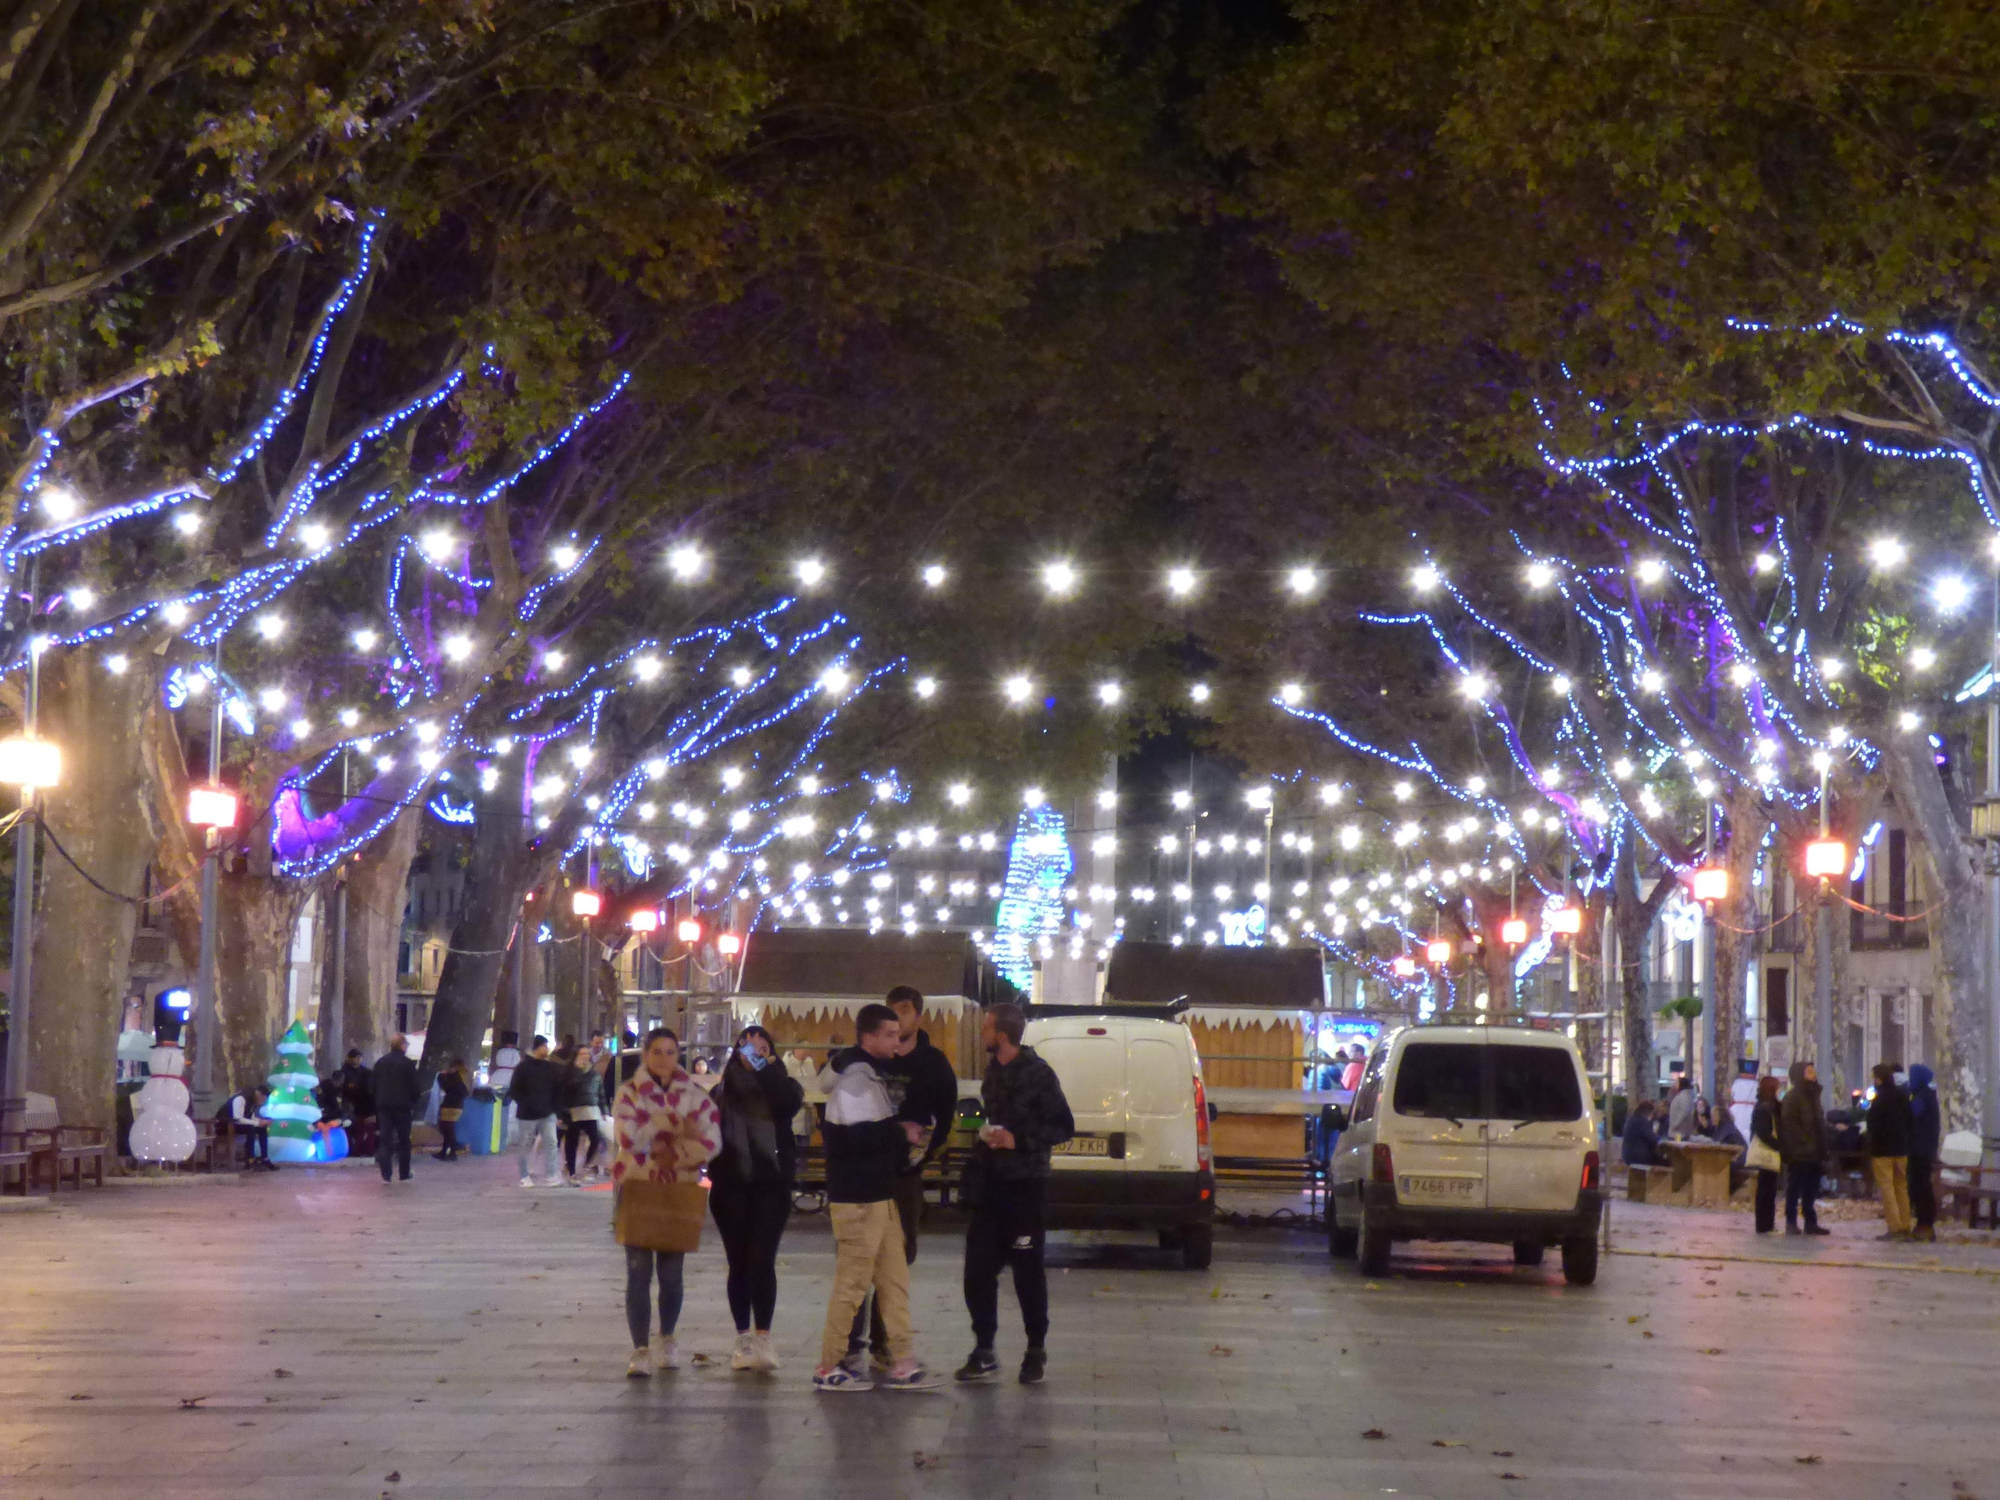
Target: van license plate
x,y
1084,1145
1447,1188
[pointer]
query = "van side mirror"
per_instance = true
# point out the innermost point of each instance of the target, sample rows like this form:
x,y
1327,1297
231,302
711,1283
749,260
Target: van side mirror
x,y
1212,1111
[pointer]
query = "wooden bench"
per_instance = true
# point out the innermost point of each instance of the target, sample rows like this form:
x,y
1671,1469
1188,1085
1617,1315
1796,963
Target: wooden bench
x,y
17,1160
71,1150
1981,1187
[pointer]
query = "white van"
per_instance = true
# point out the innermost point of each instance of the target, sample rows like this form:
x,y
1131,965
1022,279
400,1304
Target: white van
x,y
1140,1158
1470,1133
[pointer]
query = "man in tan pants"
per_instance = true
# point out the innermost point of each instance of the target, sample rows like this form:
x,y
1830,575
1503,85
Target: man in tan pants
x,y
1889,1151
866,1146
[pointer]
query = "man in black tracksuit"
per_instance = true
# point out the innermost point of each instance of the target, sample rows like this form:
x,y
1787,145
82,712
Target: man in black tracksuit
x,y
1026,1116
396,1095
923,1086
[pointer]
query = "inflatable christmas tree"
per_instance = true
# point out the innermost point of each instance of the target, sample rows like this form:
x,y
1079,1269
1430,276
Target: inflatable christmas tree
x,y
290,1109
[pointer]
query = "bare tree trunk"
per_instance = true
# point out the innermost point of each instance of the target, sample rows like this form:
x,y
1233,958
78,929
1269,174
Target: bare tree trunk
x,y
102,814
253,947
1634,916
497,879
1952,875
378,881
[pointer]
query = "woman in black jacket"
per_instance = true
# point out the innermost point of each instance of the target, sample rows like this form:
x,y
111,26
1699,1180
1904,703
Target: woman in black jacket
x,y
1764,1127
751,1186
581,1095
454,1084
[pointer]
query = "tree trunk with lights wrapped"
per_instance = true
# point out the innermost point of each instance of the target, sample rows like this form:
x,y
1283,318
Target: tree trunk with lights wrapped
x,y
498,876
103,815
1735,919
1951,871
378,879
1633,916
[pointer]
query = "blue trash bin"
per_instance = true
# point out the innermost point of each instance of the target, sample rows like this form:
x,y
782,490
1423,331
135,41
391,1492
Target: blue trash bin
x,y
476,1127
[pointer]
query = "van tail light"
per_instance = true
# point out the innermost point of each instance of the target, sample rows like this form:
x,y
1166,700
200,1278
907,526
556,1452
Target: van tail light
x,y
1385,1169
1593,1171
1204,1153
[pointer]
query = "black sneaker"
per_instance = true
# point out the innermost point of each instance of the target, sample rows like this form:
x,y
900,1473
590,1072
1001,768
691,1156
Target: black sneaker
x,y
1033,1365
1817,1229
980,1367
1793,1229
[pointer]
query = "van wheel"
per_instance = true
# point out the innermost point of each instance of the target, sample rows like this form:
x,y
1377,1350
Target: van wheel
x,y
1375,1244
1580,1260
1170,1239
1528,1252
1340,1243
1197,1246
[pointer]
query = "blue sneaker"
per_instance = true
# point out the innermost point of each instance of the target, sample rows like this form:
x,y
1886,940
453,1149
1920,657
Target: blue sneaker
x,y
840,1378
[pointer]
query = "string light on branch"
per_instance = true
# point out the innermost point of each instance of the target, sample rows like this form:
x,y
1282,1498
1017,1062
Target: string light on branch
x,y
1425,577
1198,692
1110,694
1291,694
925,687
270,627
457,648
1541,575
365,639
934,575
439,543
686,562
1649,571
1181,581
1059,578
1886,553
564,556
1951,593
1302,581
810,572
1922,658
1017,689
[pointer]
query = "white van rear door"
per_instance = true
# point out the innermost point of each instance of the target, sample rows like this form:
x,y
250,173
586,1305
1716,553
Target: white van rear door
x,y
1090,1065
1541,1125
1434,1125
1159,1092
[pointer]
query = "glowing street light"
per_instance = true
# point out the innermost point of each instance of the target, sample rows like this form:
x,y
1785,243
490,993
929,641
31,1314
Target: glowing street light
x,y
586,903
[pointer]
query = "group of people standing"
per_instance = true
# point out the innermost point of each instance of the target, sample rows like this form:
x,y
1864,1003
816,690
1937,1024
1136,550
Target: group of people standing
x,y
892,1099
1900,1134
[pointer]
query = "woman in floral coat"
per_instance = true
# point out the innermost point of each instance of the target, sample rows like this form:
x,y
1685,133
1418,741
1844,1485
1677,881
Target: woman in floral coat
x,y
668,1130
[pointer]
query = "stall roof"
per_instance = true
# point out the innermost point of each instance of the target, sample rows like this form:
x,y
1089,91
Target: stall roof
x,y
1154,973
829,961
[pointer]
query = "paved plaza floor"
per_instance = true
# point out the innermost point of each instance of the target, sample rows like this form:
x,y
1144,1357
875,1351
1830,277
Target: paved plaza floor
x,y
314,1333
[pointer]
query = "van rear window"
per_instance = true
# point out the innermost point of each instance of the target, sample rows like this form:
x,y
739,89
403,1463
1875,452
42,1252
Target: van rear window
x,y
1534,1083
1440,1080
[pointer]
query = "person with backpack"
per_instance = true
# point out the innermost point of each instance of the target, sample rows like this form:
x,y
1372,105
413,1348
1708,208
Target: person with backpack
x,y
751,1186
533,1095
1026,1118
866,1147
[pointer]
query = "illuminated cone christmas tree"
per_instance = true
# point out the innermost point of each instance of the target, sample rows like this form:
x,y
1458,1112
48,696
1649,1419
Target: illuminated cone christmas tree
x,y
290,1108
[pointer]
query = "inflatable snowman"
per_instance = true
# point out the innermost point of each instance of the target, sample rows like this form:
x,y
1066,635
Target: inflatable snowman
x,y
161,1129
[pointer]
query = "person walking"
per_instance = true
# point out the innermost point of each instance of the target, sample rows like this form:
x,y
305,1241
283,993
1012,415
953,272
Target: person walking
x,y
866,1147
751,1186
923,1087
396,1097
582,1099
1926,1129
454,1087
1889,1151
1802,1141
667,1130
1764,1128
1026,1117
533,1096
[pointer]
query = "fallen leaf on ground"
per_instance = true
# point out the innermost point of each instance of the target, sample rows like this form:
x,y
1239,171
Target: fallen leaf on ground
x,y
394,1476
923,1460
1446,1443
1503,1452
189,1403
80,1398
1221,1350
1375,1432
1806,1458
1645,1333
1635,1317
1510,1474
1711,1351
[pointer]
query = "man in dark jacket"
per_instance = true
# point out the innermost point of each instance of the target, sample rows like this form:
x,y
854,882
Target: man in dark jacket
x,y
923,1086
395,1099
1641,1142
1026,1117
1889,1151
1802,1141
533,1095
1926,1127
866,1147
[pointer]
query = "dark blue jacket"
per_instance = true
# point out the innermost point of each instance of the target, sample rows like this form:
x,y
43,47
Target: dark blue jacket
x,y
1925,1122
1641,1145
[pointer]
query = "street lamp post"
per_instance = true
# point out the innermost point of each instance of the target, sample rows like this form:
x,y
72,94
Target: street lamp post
x,y
211,809
1825,858
333,1018
29,763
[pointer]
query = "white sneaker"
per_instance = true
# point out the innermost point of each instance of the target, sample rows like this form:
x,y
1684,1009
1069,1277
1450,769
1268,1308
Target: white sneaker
x,y
640,1366
665,1355
527,1182
745,1357
761,1351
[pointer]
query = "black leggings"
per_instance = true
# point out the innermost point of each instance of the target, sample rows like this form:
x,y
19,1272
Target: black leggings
x,y
575,1131
751,1219
449,1130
